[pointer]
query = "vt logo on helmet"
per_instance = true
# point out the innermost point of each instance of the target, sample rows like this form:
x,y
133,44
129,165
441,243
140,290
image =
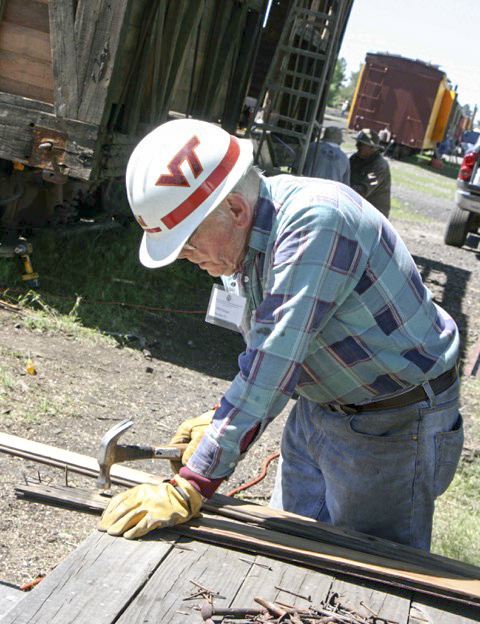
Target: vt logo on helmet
x,y
175,177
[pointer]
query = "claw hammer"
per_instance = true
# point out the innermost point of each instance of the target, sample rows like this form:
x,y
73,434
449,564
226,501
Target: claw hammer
x,y
111,453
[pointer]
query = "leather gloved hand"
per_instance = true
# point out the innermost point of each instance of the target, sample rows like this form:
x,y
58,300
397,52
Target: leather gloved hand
x,y
190,432
146,507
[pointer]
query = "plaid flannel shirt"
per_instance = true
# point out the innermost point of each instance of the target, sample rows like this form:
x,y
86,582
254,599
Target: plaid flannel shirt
x,y
336,309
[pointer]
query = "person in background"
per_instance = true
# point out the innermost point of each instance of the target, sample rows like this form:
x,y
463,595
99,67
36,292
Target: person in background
x,y
332,308
325,159
370,172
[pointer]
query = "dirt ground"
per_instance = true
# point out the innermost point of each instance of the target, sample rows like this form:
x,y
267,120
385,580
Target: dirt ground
x,y
83,387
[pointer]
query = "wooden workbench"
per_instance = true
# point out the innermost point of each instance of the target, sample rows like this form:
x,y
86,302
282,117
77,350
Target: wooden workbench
x,y
239,551
110,580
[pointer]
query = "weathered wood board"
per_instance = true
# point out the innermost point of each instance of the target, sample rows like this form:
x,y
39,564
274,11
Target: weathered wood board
x,y
110,71
25,55
109,580
9,596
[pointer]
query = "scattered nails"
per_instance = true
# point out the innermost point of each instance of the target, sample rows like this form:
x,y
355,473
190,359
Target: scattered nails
x,y
287,591
251,562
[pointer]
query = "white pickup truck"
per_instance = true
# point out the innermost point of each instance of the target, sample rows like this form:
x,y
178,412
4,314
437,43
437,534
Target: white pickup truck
x,y
465,215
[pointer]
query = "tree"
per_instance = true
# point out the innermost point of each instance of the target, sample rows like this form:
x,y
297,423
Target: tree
x,y
336,85
339,91
348,91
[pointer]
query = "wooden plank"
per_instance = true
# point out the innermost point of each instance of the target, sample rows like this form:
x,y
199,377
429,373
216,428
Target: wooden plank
x,y
93,584
25,69
86,17
306,552
100,57
16,144
278,582
429,612
38,94
163,599
25,41
365,600
64,56
17,124
9,596
28,13
52,456
179,29
332,557
24,103
110,580
244,511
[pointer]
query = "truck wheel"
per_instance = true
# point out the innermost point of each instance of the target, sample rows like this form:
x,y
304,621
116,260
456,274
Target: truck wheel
x,y
457,227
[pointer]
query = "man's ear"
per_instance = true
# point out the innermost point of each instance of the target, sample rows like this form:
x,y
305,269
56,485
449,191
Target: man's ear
x,y
240,210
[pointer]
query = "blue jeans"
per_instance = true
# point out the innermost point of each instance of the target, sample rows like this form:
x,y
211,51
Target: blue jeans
x,y
377,472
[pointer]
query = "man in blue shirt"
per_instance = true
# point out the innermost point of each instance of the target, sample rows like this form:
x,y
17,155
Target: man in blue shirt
x,y
333,309
325,159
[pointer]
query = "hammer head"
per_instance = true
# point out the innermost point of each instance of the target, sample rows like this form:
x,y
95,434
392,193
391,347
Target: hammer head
x,y
107,455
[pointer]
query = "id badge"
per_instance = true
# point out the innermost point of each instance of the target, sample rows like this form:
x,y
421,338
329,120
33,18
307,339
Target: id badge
x,y
225,309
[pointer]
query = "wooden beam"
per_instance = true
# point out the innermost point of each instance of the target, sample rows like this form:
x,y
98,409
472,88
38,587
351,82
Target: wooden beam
x,y
100,30
64,57
81,464
18,122
291,548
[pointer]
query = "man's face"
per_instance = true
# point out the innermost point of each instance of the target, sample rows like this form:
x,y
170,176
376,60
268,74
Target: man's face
x,y
217,246
365,151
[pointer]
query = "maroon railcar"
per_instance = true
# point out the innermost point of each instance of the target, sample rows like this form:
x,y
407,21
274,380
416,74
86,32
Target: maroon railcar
x,y
402,95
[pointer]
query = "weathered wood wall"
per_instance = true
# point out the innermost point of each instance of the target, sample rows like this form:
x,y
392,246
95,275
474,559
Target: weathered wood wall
x,y
25,57
101,74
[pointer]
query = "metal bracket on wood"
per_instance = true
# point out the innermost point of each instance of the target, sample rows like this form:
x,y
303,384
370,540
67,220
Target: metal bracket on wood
x,y
48,153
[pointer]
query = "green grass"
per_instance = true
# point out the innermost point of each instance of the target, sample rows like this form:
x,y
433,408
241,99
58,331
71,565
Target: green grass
x,y
449,169
402,210
96,281
456,525
7,380
423,180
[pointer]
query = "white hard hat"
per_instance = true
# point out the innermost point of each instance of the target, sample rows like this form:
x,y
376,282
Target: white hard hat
x,y
175,177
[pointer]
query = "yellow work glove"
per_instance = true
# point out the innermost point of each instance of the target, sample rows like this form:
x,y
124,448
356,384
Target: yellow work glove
x,y
190,432
145,507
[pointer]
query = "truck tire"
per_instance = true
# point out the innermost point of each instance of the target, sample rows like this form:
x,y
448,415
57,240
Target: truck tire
x,y
457,227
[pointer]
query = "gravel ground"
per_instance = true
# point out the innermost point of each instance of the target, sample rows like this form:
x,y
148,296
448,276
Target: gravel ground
x,y
83,387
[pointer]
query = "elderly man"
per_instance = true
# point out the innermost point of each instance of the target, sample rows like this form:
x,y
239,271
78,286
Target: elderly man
x,y
332,308
325,159
369,171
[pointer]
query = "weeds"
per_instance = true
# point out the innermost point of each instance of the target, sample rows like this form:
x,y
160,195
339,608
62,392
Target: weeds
x,y
456,521
422,180
402,210
7,380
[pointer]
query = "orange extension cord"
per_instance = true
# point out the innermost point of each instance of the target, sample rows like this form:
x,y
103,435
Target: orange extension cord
x,y
29,586
262,475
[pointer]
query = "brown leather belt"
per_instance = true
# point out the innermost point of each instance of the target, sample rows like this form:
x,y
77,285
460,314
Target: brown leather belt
x,y
438,385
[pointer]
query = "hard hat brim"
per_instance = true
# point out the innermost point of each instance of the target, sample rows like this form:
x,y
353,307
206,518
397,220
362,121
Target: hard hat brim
x,y
158,252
